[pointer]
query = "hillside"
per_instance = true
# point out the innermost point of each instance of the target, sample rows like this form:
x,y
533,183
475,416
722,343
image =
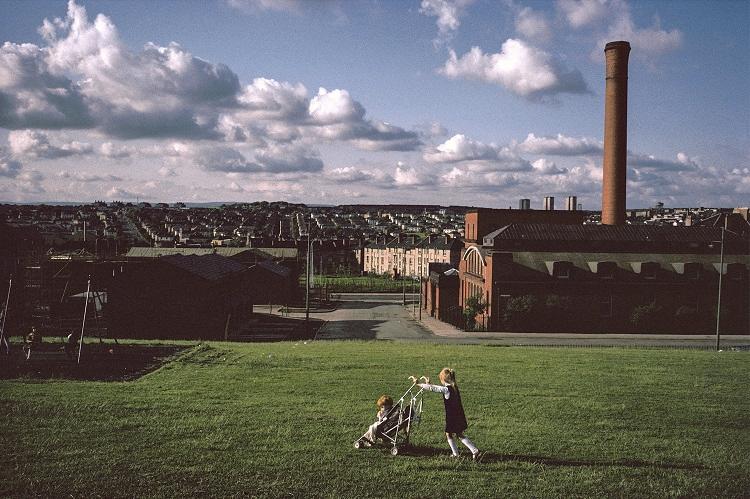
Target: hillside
x,y
279,420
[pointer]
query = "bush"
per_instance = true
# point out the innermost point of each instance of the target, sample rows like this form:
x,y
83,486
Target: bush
x,y
520,309
472,308
647,317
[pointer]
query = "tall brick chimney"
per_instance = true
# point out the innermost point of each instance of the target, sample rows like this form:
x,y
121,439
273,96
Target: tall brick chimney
x,y
615,133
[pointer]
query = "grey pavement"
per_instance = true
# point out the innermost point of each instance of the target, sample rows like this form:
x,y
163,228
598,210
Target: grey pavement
x,y
384,317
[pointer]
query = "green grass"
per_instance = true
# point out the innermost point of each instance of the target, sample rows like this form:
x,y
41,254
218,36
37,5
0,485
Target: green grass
x,y
279,420
362,284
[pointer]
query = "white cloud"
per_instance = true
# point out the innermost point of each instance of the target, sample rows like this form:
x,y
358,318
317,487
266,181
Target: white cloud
x,y
9,166
484,157
35,144
682,162
448,13
165,171
544,166
333,107
648,43
580,13
78,176
256,6
411,177
559,145
30,182
519,67
117,193
110,150
533,24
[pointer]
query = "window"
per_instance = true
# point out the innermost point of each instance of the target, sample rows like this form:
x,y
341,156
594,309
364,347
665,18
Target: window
x,y
561,270
649,270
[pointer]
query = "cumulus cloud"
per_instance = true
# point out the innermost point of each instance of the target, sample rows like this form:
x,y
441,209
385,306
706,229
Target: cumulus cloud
x,y
649,43
165,171
533,24
111,151
522,69
275,159
87,177
461,149
544,166
559,145
580,13
30,182
159,91
117,193
256,6
32,96
448,13
35,144
682,162
459,178
405,176
9,167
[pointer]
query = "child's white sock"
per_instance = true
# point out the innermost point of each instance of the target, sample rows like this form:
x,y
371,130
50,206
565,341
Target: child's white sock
x,y
454,446
468,443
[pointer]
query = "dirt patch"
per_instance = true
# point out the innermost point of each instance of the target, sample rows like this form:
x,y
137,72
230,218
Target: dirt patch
x,y
99,362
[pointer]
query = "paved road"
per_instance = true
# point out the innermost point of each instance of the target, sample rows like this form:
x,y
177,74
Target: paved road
x,y
369,317
383,316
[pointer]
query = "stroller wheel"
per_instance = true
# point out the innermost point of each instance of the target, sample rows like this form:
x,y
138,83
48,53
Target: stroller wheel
x,y
394,451
357,444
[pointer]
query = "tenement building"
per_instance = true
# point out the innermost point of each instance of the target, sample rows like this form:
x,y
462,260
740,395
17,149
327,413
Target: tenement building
x,y
410,255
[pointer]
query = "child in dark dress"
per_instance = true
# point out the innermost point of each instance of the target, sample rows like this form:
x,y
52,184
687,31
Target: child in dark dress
x,y
455,419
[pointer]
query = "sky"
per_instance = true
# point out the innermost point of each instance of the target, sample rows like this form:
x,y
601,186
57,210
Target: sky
x,y
462,102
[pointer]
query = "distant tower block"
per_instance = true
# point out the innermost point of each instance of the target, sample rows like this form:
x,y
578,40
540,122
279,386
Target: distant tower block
x,y
571,203
615,133
524,204
549,203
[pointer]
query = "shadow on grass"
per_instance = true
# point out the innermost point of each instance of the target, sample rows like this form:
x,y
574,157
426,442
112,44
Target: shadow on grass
x,y
493,457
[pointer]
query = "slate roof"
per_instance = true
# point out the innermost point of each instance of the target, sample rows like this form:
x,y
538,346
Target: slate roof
x,y
210,267
274,268
614,233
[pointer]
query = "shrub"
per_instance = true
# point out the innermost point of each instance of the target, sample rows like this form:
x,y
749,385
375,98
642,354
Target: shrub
x,y
520,308
647,317
472,308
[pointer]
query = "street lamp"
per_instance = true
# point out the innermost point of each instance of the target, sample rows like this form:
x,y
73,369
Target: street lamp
x,y
718,300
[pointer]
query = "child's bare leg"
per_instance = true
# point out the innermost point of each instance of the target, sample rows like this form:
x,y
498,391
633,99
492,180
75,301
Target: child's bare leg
x,y
371,432
452,443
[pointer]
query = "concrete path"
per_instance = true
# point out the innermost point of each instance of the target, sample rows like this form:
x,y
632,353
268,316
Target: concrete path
x,y
383,316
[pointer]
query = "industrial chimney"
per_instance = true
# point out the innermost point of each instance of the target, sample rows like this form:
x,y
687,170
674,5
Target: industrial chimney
x,y
615,133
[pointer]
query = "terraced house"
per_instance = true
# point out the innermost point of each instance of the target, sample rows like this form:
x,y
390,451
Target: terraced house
x,y
411,255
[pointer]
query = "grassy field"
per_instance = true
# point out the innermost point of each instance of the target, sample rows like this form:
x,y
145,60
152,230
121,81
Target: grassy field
x,y
279,420
363,284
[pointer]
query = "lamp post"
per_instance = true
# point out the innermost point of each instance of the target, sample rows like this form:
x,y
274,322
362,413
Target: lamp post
x,y
718,300
307,281
403,269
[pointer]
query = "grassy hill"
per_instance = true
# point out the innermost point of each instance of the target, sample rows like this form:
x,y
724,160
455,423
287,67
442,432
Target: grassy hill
x,y
279,420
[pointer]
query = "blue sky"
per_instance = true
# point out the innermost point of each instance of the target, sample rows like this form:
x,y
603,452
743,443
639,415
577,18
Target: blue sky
x,y
476,102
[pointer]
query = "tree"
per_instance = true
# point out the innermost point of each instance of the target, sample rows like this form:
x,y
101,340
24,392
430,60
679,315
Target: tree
x,y
519,309
472,308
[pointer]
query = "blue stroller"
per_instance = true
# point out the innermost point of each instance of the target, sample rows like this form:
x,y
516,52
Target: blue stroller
x,y
396,426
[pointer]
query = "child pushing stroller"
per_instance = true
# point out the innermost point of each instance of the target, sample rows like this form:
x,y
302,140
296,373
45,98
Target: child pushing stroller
x,y
394,422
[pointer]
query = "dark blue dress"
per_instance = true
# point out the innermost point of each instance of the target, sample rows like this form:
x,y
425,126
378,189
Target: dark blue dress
x,y
455,419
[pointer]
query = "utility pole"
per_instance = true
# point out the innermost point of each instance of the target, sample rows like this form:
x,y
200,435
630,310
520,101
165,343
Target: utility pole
x,y
403,269
421,262
307,282
718,304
